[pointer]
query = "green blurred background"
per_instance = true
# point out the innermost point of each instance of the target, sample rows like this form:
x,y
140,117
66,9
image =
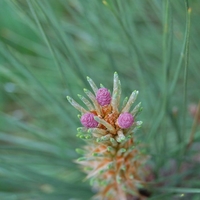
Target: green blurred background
x,y
48,47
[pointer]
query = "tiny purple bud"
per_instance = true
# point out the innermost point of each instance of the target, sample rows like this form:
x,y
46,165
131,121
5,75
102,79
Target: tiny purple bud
x,y
88,121
125,120
103,96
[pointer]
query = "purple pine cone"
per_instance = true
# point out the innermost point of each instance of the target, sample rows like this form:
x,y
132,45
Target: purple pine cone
x,y
103,96
125,120
88,121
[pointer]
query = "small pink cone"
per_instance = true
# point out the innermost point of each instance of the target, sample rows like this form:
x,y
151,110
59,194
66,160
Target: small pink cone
x,y
103,96
88,121
125,120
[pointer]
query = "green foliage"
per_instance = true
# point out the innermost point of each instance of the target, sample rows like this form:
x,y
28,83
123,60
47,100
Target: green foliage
x,y
48,47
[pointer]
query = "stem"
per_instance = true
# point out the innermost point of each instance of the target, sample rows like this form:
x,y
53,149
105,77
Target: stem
x,y
188,10
165,66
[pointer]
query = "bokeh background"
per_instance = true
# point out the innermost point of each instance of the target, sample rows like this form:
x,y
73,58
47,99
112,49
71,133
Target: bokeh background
x,y
48,47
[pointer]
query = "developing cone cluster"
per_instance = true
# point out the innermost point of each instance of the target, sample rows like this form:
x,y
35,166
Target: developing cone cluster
x,y
112,158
